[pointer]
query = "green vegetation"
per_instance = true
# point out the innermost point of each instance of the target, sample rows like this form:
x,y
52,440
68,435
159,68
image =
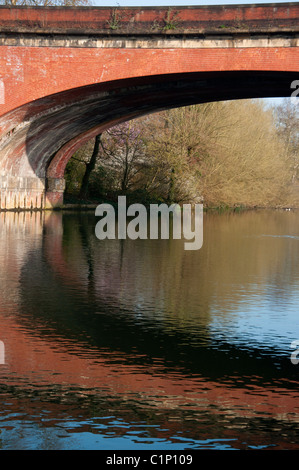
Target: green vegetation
x,y
114,20
235,154
171,19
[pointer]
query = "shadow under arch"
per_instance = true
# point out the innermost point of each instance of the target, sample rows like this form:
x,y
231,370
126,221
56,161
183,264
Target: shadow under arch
x,y
66,120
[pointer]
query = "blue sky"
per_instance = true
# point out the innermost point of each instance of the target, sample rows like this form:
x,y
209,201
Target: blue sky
x,y
176,2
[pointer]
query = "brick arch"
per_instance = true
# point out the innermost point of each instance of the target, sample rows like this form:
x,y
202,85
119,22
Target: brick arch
x,y
49,50
46,132
67,71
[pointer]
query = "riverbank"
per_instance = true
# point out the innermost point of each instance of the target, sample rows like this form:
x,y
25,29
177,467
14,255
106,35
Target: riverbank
x,y
221,209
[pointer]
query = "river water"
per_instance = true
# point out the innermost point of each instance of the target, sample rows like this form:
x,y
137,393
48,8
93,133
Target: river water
x,y
140,344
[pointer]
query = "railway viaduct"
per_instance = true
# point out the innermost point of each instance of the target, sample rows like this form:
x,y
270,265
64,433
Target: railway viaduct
x,y
67,74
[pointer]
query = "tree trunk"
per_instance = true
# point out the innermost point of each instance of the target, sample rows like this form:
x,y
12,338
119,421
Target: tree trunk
x,y
171,187
90,167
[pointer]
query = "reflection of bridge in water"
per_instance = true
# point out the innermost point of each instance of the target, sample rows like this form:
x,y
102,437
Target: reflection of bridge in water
x,y
65,331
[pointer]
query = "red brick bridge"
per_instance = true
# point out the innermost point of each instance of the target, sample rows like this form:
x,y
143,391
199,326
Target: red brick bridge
x,y
67,74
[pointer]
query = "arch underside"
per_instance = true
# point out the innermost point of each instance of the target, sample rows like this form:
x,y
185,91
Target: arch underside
x,y
39,138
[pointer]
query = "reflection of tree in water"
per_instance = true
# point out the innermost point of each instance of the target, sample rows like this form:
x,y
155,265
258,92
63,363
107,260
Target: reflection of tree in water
x,y
86,248
158,305
237,256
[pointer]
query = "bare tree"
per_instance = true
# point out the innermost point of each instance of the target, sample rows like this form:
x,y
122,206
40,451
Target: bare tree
x,y
288,130
123,152
227,153
89,167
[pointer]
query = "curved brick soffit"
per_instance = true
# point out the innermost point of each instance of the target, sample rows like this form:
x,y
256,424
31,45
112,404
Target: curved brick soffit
x,y
46,132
